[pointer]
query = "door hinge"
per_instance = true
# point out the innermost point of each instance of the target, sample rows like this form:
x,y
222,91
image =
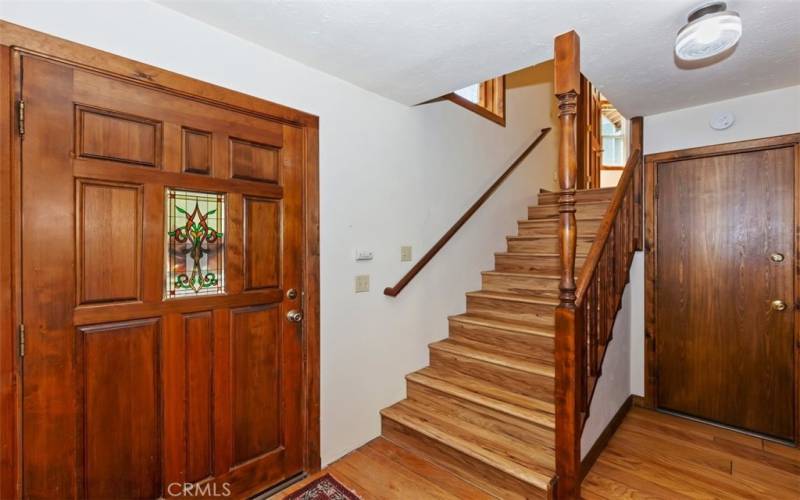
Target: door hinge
x,y
21,116
21,341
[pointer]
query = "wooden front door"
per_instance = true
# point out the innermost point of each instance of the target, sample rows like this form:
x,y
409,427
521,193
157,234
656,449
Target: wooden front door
x,y
725,257
160,237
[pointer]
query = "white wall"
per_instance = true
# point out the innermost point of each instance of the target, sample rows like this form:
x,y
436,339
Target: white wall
x,y
776,112
390,176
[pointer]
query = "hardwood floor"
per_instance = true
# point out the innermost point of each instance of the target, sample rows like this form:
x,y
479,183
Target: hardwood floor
x,y
652,455
382,470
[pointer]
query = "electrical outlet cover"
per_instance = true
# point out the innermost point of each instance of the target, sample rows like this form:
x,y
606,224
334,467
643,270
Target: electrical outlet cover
x,y
405,254
362,283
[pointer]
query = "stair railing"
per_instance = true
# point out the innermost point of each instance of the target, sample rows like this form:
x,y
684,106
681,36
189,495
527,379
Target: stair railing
x,y
406,279
587,310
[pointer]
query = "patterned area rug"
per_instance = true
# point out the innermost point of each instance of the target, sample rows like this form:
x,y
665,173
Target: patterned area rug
x,y
324,488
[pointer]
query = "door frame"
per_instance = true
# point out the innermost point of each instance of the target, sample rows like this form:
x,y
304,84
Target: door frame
x,y
652,162
16,39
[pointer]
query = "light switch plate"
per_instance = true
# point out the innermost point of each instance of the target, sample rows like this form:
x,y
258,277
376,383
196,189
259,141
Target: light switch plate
x,y
364,255
362,283
405,254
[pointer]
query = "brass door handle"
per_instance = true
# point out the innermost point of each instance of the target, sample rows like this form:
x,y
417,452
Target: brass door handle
x,y
294,316
778,305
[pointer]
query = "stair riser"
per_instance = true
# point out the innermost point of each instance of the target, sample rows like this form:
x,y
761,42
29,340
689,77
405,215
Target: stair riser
x,y
584,210
530,384
532,264
522,284
536,347
494,481
519,312
506,424
580,196
545,245
550,228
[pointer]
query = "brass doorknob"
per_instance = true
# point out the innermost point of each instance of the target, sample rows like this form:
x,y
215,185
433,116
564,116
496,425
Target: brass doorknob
x,y
778,305
295,316
776,257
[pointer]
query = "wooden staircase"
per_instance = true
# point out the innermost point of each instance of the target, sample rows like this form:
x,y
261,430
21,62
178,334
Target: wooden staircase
x,y
484,408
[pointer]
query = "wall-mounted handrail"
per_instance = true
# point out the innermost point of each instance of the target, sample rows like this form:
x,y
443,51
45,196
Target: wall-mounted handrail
x,y
393,291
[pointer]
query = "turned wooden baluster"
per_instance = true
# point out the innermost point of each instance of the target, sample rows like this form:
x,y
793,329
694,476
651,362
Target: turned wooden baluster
x,y
569,333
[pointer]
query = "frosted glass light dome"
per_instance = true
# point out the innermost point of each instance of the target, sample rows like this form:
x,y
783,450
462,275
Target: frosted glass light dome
x,y
710,31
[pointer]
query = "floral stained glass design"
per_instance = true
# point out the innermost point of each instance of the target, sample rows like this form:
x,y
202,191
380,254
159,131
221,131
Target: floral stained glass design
x,y
195,243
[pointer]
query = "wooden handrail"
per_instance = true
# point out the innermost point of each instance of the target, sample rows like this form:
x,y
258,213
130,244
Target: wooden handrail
x,y
393,291
604,231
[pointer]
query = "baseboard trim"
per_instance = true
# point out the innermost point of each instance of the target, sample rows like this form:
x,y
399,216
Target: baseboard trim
x,y
605,437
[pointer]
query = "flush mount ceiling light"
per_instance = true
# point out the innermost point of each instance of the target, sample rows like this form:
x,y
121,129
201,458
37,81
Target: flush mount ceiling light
x,y
711,30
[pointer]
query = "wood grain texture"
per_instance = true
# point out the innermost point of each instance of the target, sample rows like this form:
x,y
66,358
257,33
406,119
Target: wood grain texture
x,y
121,400
104,65
652,163
109,220
197,157
653,455
723,354
493,378
394,473
9,282
119,209
568,345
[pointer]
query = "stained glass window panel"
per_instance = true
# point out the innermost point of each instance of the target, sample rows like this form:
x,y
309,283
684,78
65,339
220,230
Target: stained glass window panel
x,y
195,249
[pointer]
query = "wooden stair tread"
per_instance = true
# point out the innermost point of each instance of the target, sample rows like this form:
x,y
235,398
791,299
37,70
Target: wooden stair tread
x,y
493,391
552,196
487,356
513,297
527,329
544,358
546,255
531,464
577,203
543,417
546,237
551,220
528,275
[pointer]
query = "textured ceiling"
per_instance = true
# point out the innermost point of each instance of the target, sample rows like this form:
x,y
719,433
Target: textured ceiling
x,y
412,51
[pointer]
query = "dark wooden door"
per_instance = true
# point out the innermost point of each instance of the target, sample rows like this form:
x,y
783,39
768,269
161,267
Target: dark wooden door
x,y
723,352
159,236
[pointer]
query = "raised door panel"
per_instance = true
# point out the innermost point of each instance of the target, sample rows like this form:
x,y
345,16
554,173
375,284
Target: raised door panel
x,y
255,354
254,161
110,241
262,243
196,151
114,136
121,409
199,353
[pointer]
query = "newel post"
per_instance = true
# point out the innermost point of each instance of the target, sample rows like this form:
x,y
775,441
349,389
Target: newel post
x,y
567,344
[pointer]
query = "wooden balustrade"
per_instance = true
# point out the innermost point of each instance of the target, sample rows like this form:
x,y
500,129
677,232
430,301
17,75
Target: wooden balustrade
x,y
603,278
587,310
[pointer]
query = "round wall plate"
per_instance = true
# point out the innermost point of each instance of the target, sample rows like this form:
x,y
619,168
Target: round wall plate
x,y
722,121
